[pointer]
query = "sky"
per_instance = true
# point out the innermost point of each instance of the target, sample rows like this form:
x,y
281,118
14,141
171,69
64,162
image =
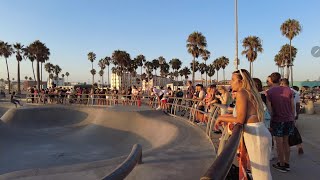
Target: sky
x,y
72,28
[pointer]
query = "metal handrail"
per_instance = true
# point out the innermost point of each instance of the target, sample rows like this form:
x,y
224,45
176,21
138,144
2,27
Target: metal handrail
x,y
221,166
123,170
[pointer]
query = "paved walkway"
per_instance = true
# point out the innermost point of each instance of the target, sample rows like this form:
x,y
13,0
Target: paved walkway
x,y
306,166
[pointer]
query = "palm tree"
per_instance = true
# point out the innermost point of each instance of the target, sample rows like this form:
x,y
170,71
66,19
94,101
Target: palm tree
x,y
102,65
41,54
205,56
252,46
91,58
156,65
93,72
26,77
101,72
107,62
51,76
202,69
57,70
290,29
196,44
67,74
49,68
278,61
28,55
30,78
217,63
194,66
175,64
121,60
6,51
224,64
186,72
211,71
18,50
140,60
288,52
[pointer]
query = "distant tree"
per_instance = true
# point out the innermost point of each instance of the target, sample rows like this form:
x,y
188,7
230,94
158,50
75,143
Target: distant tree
x,y
91,58
93,72
290,29
67,74
252,46
186,72
6,51
196,45
18,50
211,71
224,64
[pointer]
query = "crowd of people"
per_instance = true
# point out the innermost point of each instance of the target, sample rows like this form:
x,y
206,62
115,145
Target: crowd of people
x,y
94,96
268,114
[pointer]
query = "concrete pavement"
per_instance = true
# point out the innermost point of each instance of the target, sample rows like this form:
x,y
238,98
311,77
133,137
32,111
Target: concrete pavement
x,y
57,142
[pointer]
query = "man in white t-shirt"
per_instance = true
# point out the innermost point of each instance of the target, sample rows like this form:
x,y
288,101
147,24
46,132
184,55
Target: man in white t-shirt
x,y
159,93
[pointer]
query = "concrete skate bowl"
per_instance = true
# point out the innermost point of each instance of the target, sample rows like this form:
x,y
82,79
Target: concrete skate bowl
x,y
88,143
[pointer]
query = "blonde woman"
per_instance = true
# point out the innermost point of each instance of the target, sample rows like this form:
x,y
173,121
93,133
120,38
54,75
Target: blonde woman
x,y
249,111
225,98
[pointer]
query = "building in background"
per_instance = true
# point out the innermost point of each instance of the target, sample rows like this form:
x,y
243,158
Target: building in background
x,y
55,82
126,80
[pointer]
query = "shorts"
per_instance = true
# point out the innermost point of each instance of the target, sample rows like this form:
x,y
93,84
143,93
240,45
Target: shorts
x,y
164,101
280,129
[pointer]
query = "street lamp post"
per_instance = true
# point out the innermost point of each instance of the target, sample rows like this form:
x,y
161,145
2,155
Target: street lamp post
x,y
236,60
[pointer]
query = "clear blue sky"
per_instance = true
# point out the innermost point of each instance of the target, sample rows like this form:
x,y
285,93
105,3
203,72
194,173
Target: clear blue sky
x,y
72,28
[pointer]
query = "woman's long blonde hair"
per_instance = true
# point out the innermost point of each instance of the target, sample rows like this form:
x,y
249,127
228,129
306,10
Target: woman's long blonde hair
x,y
254,96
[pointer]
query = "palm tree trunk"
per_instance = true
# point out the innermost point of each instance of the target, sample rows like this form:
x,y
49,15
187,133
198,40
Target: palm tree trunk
x,y
224,77
34,76
141,77
109,77
19,88
8,76
250,69
38,75
217,77
291,65
205,62
102,81
193,67
278,70
41,75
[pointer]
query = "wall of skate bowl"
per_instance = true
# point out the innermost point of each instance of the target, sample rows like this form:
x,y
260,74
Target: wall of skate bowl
x,y
53,140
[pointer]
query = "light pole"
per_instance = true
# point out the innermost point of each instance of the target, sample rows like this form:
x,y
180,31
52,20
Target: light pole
x,y
236,60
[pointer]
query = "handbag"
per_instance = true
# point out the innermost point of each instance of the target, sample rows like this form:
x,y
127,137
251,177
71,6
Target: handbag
x,y
295,139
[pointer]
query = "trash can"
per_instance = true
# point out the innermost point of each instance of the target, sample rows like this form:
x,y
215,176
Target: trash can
x,y
309,107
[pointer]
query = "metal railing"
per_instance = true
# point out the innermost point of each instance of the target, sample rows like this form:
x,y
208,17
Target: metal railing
x,y
221,166
123,170
177,107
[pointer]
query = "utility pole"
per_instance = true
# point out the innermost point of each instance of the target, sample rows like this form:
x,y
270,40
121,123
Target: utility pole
x,y
236,60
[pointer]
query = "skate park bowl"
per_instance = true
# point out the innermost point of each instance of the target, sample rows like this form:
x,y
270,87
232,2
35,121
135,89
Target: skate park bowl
x,y
65,142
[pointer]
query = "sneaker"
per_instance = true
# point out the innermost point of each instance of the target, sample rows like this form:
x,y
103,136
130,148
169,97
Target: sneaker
x,y
279,168
287,166
300,151
158,108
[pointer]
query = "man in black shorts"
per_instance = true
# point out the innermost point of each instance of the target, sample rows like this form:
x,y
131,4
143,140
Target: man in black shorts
x,y
281,107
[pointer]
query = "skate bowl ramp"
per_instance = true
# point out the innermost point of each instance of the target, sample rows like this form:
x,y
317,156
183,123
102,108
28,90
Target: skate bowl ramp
x,y
88,143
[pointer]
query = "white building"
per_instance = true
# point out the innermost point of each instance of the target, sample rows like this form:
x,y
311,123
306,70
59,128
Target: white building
x,y
126,80
157,81
56,82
